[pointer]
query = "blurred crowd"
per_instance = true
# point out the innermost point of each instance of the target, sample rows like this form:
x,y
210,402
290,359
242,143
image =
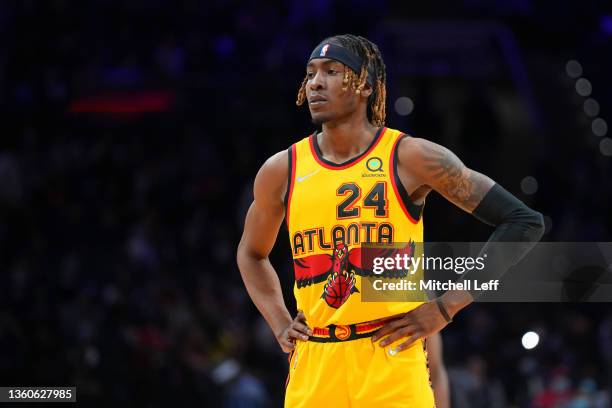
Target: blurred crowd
x,y
119,225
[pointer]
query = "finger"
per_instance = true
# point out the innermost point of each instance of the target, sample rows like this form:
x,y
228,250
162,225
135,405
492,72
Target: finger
x,y
287,346
294,334
386,329
408,343
396,335
382,332
302,328
388,318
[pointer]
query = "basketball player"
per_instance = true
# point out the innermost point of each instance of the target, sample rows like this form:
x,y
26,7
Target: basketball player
x,y
354,182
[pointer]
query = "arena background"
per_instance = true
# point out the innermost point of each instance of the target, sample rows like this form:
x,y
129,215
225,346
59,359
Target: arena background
x,y
131,132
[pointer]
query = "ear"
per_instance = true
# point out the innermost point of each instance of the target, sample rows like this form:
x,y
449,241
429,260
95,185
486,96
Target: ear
x,y
366,91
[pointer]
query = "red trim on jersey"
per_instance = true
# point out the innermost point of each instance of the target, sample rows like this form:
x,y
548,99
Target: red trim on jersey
x,y
321,331
311,140
289,372
359,328
291,184
392,177
368,327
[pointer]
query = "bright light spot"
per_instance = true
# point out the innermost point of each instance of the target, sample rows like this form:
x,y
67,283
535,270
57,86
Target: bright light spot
x,y
573,68
530,340
583,87
605,146
225,371
404,106
591,107
529,185
599,127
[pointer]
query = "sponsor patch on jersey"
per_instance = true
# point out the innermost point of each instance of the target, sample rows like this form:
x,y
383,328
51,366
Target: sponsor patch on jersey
x,y
375,168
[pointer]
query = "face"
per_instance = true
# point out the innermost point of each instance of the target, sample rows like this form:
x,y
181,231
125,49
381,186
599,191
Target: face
x,y
326,99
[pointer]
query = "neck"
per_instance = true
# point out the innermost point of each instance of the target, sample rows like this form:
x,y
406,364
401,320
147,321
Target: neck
x,y
341,141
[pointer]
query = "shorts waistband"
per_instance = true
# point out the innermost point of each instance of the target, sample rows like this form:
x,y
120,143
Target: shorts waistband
x,y
337,333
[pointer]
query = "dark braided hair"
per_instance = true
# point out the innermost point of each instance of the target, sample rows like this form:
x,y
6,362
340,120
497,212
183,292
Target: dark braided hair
x,y
373,63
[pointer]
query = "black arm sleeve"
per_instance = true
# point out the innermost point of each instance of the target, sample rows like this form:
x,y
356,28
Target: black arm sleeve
x,y
514,222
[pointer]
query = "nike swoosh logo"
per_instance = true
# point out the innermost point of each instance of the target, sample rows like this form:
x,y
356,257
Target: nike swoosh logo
x,y
307,176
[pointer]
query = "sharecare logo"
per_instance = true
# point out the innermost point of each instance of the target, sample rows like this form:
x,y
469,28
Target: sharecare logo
x,y
324,50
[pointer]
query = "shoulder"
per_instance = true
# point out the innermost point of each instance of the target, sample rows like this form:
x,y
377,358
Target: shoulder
x,y
415,151
276,163
416,145
272,177
428,161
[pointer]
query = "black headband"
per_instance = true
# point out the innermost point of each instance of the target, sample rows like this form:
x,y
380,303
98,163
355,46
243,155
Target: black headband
x,y
341,54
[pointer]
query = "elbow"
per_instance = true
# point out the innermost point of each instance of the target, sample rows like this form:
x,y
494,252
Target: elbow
x,y
242,260
535,226
246,257
241,256
527,224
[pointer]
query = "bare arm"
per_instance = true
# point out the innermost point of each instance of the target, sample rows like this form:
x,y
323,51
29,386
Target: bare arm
x,y
261,226
262,223
429,166
441,170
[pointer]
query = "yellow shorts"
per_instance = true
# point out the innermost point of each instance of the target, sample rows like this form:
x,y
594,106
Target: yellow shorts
x,y
358,373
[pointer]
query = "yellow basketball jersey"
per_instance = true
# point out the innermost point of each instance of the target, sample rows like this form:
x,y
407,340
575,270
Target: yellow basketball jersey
x,y
334,209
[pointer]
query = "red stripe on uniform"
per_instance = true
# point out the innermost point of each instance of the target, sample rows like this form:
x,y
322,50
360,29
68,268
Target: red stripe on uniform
x,y
321,331
368,327
346,166
291,183
392,177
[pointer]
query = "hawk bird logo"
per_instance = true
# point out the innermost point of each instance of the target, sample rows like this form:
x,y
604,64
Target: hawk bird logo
x,y
339,270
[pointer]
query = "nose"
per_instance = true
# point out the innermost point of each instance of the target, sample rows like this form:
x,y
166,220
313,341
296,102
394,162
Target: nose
x,y
317,81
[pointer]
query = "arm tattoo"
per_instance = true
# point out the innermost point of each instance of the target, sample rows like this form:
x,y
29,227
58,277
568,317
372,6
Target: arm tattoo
x,y
461,185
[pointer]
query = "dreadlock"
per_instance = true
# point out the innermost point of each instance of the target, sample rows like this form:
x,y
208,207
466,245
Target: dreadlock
x,y
372,58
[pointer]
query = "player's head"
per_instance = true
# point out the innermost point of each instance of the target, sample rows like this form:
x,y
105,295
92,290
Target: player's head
x,y
349,73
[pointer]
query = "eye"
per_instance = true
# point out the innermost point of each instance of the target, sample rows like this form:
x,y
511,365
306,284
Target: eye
x,y
331,72
310,75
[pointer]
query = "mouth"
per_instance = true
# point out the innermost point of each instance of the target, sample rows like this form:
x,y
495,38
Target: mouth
x,y
317,101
